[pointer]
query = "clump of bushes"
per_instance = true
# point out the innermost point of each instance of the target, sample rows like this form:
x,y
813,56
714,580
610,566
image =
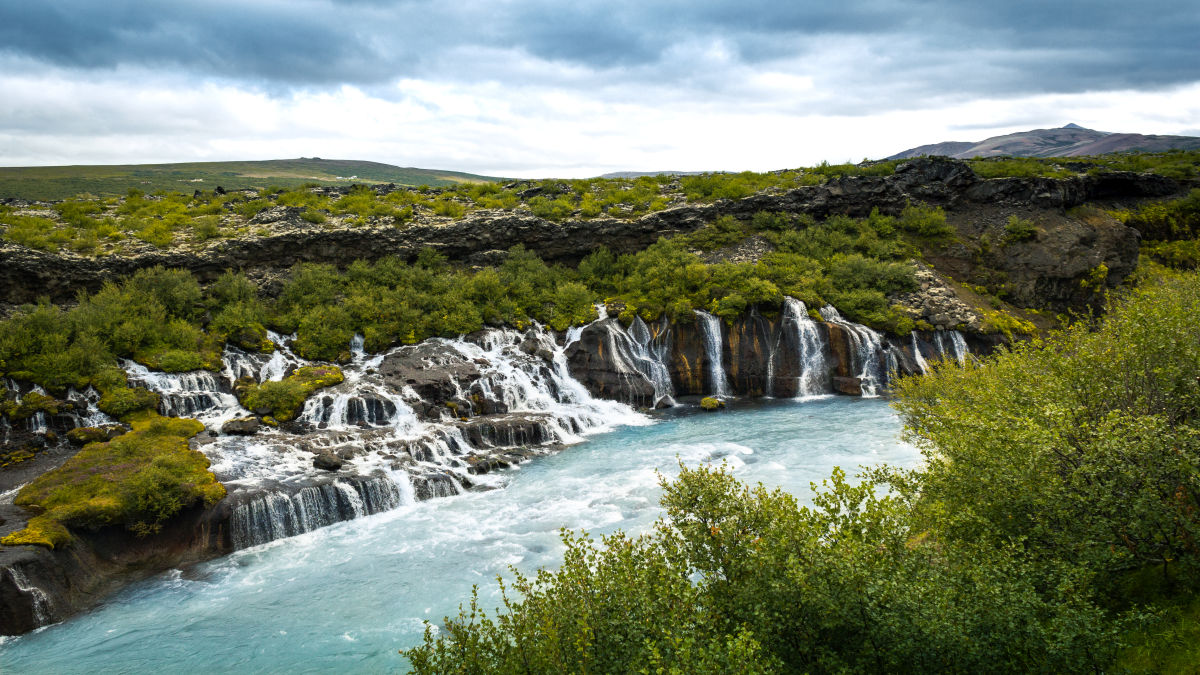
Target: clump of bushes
x,y
1174,220
137,480
996,321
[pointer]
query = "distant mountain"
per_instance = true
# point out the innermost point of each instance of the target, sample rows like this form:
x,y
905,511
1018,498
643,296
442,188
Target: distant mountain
x,y
58,182
1069,141
639,174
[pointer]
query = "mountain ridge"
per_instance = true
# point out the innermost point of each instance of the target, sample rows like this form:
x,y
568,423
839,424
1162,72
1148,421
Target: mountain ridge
x,y
1070,140
58,182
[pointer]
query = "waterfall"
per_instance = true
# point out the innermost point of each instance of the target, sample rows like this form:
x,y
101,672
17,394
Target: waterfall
x,y
396,447
195,394
710,325
274,515
953,348
814,367
869,355
651,360
636,355
37,423
37,597
363,406
529,384
922,364
960,347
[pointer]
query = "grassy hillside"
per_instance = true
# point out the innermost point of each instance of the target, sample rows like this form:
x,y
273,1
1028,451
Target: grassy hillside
x,y
60,182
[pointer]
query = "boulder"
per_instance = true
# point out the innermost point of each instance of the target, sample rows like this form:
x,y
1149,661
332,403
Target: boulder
x,y
241,426
851,386
328,461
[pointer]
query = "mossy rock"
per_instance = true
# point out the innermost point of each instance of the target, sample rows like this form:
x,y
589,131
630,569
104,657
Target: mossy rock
x,y
283,399
137,480
39,531
18,455
711,403
85,435
122,401
252,339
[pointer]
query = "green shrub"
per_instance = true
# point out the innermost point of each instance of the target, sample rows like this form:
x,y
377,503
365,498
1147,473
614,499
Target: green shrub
x,y
1019,229
724,231
283,399
929,223
31,231
205,228
119,402
1168,221
1083,449
739,579
1183,254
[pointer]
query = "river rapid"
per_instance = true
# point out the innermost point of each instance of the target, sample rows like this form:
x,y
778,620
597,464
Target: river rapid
x,y
345,598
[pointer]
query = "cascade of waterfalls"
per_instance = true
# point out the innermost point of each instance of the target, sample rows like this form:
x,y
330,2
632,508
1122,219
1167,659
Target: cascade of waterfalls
x,y
397,455
868,354
814,365
272,515
396,447
196,394
710,326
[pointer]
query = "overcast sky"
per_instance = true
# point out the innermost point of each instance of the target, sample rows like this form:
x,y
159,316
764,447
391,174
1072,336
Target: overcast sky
x,y
577,88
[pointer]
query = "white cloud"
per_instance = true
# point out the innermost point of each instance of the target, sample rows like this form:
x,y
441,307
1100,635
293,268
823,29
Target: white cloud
x,y
763,119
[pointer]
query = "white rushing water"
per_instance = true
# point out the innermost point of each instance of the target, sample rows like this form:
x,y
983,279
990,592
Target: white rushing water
x,y
814,373
393,455
871,362
710,326
345,598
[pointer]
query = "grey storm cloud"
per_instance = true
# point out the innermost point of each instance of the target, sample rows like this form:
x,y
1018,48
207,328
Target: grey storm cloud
x,y
915,48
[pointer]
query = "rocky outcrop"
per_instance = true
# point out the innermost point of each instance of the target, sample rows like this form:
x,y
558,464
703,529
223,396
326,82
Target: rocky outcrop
x,y
27,274
40,586
602,360
936,303
242,426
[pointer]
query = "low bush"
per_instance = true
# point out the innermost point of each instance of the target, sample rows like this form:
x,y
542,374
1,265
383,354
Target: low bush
x,y
1019,229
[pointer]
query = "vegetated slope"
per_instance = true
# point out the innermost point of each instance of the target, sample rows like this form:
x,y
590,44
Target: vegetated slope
x,y
59,182
1069,141
1051,529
